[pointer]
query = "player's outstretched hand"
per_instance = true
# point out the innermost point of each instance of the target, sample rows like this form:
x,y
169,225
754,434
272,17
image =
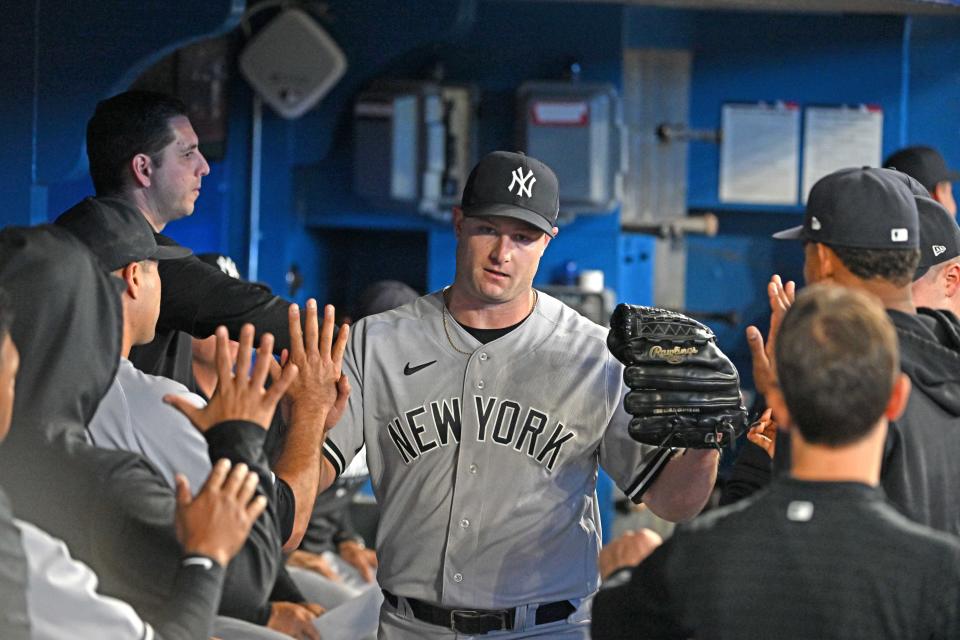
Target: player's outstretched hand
x,y
359,557
318,389
295,620
781,297
628,550
215,523
240,393
763,433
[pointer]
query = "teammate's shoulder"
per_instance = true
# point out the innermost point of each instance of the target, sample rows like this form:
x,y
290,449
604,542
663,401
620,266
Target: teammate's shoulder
x,y
917,536
132,380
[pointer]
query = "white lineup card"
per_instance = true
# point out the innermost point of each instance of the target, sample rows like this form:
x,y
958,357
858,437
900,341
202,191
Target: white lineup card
x,y
840,137
760,153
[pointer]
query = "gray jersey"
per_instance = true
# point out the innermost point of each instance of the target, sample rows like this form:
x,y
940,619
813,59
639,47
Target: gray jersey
x,y
485,465
62,596
133,417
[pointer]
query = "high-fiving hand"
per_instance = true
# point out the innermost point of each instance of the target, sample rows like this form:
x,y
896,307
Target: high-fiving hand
x,y
240,393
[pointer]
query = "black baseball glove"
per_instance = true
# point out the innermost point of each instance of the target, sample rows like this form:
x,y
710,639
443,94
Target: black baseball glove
x,y
684,392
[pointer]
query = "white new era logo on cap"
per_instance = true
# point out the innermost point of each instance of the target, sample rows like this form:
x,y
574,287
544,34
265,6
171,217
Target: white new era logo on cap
x,y
814,223
938,249
898,235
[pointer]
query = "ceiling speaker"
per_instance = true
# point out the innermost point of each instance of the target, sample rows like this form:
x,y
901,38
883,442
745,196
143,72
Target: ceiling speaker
x,y
292,63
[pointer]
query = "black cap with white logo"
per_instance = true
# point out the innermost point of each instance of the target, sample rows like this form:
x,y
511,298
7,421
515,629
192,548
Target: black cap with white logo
x,y
939,235
864,208
513,185
923,163
116,232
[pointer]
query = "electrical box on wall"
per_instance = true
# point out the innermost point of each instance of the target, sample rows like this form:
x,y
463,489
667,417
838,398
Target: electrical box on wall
x,y
413,145
576,128
292,63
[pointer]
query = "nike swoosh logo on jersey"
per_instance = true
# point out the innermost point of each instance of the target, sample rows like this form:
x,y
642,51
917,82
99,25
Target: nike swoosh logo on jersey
x,y
409,371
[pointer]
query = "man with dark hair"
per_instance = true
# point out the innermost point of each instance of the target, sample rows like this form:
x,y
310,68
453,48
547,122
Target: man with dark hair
x,y
143,150
818,539
134,123
861,231
927,166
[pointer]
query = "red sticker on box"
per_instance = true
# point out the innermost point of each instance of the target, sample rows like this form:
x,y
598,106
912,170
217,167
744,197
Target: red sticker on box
x,y
560,114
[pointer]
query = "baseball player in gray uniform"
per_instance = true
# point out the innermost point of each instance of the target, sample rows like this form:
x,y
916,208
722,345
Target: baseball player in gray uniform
x,y
485,409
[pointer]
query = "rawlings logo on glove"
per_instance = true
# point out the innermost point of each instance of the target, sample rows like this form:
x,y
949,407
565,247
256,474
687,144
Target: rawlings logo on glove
x,y
684,392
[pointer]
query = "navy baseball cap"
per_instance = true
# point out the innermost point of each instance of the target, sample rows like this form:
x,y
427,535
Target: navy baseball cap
x,y
513,185
939,235
923,163
116,232
864,208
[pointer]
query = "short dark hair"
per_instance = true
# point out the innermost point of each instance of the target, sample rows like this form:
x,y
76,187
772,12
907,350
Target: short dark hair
x,y
837,361
897,266
121,127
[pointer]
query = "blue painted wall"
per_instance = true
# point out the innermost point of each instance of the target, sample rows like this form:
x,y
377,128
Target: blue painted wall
x,y
67,57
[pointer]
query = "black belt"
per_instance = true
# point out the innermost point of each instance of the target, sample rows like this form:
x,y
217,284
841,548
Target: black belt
x,y
477,621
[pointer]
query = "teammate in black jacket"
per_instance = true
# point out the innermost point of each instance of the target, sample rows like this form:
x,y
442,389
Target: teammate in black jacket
x,y
829,557
112,508
143,149
859,214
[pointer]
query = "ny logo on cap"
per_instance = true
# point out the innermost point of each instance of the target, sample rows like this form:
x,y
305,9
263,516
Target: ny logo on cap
x,y
898,235
524,184
938,249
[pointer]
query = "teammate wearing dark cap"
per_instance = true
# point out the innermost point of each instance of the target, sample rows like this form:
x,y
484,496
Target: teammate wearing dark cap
x,y
142,149
133,415
485,409
861,231
936,283
927,166
829,557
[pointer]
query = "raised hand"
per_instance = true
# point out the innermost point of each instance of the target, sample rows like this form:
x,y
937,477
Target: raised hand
x,y
217,521
781,299
319,358
240,393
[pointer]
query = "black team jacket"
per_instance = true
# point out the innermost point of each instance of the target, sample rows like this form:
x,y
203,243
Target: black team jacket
x,y
921,462
112,508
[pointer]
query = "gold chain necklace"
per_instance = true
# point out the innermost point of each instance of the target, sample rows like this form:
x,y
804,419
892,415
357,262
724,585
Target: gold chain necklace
x,y
446,328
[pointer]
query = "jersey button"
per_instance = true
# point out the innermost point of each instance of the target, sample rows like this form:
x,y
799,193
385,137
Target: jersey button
x,y
464,523
458,577
474,468
483,357
480,385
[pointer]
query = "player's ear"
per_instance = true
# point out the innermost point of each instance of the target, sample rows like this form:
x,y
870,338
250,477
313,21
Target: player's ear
x,y
132,276
142,167
951,277
899,396
827,261
457,221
